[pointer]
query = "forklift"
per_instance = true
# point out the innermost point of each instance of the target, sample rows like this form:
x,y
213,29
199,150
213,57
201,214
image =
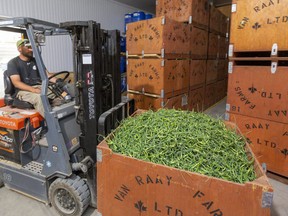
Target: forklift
x,y
53,159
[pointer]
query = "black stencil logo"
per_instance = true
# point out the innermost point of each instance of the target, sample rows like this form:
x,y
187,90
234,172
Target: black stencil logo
x,y
285,152
252,89
256,26
140,206
135,39
150,77
150,38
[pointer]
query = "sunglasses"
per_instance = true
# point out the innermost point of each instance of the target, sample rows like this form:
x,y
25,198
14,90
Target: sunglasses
x,y
28,45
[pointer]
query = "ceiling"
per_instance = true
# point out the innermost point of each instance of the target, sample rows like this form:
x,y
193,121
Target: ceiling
x,y
149,5
145,5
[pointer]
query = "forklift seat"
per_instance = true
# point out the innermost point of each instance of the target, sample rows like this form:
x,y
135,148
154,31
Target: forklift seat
x,y
9,97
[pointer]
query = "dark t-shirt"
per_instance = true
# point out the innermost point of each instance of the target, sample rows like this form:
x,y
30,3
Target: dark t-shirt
x,y
27,71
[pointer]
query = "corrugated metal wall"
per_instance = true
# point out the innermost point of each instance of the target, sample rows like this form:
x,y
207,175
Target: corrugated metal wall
x,y
59,57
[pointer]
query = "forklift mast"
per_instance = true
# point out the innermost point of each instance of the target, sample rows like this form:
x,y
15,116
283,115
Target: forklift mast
x,y
97,77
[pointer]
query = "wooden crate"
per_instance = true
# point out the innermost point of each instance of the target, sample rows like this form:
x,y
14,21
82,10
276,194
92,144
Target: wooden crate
x,y
218,22
213,46
210,95
197,73
158,36
212,71
215,19
196,99
198,43
268,139
192,11
157,76
256,92
128,186
223,48
222,69
257,25
221,89
153,102
224,25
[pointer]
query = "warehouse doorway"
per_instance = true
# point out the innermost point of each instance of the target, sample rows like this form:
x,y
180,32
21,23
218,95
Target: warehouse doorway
x,y
8,51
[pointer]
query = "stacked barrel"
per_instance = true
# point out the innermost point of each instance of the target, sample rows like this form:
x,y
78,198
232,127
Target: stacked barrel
x,y
168,56
257,88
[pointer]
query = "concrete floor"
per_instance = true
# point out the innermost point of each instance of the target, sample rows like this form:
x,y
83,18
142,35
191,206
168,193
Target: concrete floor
x,y
15,204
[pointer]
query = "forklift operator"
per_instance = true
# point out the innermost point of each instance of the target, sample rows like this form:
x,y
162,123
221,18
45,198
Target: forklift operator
x,y
25,76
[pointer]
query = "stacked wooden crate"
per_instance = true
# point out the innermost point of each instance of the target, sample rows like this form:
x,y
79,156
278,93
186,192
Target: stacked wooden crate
x,y
168,57
158,63
217,63
257,89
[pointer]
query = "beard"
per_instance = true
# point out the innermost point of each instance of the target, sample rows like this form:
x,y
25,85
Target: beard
x,y
27,54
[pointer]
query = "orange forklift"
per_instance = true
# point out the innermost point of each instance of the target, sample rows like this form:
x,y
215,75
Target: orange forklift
x,y
54,159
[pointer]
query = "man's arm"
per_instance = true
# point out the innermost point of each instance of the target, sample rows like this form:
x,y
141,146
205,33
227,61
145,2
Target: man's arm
x,y
52,79
15,79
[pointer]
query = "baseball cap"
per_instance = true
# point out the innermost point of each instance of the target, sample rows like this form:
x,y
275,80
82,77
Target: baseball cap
x,y
22,42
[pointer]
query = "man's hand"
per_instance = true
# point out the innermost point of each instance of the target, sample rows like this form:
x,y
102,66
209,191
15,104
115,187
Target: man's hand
x,y
15,79
36,90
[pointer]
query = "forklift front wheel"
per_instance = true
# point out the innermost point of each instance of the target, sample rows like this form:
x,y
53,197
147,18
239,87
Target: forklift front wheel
x,y
1,183
69,196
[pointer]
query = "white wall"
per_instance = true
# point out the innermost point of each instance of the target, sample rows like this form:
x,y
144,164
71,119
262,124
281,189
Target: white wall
x,y
107,12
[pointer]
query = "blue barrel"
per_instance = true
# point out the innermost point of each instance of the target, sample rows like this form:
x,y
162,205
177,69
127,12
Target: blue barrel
x,y
128,19
123,84
123,44
148,16
122,64
138,16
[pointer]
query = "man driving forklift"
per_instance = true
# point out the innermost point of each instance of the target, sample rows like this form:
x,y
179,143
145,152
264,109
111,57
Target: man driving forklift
x,y
25,76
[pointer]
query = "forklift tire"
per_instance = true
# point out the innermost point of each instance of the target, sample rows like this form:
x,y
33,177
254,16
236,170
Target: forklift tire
x,y
1,183
69,196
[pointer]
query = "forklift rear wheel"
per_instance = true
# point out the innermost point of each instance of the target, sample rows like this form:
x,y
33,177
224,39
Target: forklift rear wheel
x,y
70,196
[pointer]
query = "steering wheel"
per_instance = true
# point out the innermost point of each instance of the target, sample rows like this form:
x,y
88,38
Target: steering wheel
x,y
56,88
